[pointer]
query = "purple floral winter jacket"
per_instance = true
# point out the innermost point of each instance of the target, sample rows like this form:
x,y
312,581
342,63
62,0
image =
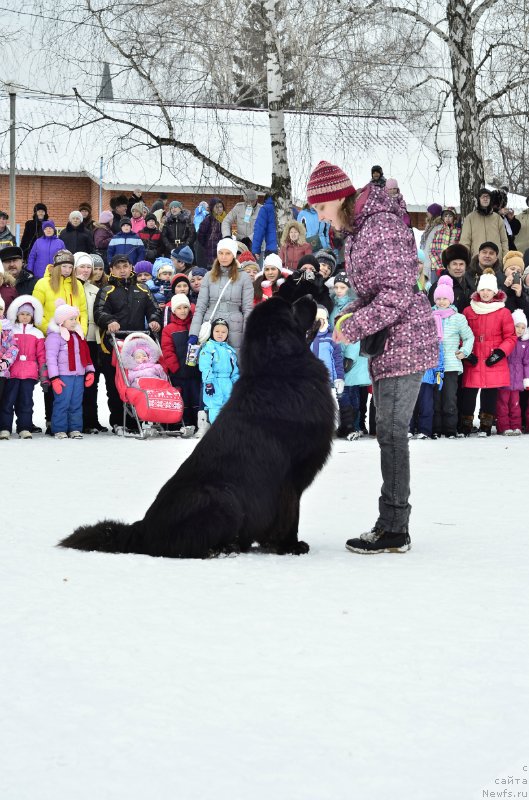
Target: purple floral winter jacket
x,y
381,261
519,365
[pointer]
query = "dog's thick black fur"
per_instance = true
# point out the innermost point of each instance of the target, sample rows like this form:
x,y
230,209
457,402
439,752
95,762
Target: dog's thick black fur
x,y
243,482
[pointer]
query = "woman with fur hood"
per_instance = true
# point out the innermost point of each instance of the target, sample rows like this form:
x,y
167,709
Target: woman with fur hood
x,y
487,367
484,225
140,358
293,245
273,276
8,290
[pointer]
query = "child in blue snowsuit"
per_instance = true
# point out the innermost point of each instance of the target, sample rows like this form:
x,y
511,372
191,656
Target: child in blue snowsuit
x,y
329,352
217,362
421,422
356,371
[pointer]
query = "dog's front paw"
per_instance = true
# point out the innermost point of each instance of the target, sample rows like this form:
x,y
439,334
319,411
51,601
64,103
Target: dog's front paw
x,y
300,548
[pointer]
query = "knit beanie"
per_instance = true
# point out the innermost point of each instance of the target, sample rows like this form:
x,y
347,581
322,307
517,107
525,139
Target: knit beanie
x,y
310,261
175,204
488,281
75,215
184,254
392,183
228,244
124,221
137,207
63,257
519,318
513,258
143,266
328,182
48,223
63,312
435,210
198,271
25,308
81,259
326,257
106,217
273,260
444,288
245,257
322,313
149,217
179,300
219,321
342,278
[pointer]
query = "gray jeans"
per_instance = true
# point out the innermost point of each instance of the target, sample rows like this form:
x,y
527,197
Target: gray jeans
x,y
395,400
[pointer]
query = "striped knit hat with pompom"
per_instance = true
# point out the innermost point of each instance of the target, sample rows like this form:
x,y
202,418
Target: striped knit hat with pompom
x,y
328,182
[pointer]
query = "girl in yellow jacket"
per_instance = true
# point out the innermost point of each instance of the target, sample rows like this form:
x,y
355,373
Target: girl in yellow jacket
x,y
59,281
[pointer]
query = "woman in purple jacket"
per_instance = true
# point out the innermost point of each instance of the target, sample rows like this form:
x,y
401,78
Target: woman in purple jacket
x,y
44,249
381,262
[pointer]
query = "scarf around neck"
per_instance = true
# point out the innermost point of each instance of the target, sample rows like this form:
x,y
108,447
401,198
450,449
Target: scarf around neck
x,y
84,352
486,308
439,315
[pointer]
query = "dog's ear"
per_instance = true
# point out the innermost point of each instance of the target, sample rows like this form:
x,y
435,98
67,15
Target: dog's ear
x,y
304,311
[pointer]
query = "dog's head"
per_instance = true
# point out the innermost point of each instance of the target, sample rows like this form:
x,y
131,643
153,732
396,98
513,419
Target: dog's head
x,y
276,330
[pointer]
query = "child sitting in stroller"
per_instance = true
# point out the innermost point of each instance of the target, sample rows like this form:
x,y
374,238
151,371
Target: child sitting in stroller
x,y
140,359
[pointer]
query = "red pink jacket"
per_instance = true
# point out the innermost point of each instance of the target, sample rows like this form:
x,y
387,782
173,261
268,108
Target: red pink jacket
x,y
493,329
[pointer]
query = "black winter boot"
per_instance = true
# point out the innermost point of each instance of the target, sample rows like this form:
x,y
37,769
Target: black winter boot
x,y
347,422
466,425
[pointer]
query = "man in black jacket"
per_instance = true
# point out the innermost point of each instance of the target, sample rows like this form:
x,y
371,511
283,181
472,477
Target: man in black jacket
x,y
456,260
178,230
13,262
122,305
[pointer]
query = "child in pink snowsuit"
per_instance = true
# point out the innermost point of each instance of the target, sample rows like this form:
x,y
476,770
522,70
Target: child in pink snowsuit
x,y
140,359
508,412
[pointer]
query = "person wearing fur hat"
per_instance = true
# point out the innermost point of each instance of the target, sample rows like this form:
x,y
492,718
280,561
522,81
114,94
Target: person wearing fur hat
x,y
44,248
455,260
118,206
210,232
70,369
484,225
143,271
513,268
76,238
140,358
178,229
236,301
445,235
86,210
381,263
8,290
160,283
151,237
487,367
29,366
508,407
182,375
306,279
196,276
218,364
33,228
293,244
273,276
457,342
8,349
126,243
377,176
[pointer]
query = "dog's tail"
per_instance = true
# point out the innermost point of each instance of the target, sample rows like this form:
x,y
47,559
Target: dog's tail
x,y
108,536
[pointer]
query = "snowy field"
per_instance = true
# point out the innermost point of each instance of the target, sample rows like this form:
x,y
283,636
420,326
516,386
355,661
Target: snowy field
x,y
322,677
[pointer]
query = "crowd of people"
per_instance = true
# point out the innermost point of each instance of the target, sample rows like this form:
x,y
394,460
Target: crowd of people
x,y
191,280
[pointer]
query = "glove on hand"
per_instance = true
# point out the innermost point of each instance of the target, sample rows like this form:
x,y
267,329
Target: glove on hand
x,y
4,365
57,385
472,359
339,385
89,379
210,389
494,357
192,340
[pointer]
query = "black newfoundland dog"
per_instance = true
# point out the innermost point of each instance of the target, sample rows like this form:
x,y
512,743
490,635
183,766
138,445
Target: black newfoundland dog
x,y
243,482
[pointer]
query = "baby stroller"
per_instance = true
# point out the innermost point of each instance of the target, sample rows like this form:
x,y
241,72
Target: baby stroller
x,y
155,404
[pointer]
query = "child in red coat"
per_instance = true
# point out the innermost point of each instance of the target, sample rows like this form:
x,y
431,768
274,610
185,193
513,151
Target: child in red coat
x,y
486,368
174,348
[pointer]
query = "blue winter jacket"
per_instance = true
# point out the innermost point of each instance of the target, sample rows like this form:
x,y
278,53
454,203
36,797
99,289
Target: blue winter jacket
x,y
457,335
265,228
309,218
217,362
200,214
358,374
126,244
330,353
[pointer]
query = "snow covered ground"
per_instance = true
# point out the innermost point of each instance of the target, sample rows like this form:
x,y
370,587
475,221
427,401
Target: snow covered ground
x,y
327,676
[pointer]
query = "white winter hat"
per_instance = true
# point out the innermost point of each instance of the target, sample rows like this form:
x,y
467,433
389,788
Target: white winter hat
x,y
179,300
488,281
228,244
75,215
81,259
273,260
519,318
322,313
